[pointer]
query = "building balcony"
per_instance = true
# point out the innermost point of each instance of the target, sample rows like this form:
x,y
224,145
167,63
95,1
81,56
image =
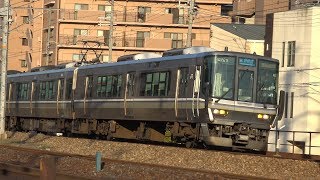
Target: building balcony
x,y
95,42
133,18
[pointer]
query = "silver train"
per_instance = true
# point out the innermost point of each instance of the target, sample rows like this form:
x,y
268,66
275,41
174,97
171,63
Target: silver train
x,y
193,95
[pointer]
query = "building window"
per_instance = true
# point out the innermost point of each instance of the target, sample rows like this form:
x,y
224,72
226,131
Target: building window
x,y
178,15
292,99
141,36
283,53
105,35
23,91
80,32
142,11
79,57
81,7
107,10
24,41
226,9
291,53
109,86
286,105
155,84
25,19
177,39
23,63
104,58
47,90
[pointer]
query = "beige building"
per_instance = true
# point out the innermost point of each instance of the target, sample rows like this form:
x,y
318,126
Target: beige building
x,y
51,32
255,11
246,38
295,42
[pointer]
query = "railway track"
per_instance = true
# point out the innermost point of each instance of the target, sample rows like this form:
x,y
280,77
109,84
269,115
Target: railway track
x,y
155,168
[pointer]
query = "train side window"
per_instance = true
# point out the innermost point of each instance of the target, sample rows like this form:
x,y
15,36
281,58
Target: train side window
x,y
101,85
109,86
23,91
47,90
69,89
155,84
183,81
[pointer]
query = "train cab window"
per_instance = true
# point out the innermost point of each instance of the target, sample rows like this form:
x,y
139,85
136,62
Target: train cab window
x,y
246,80
23,91
109,86
220,73
267,82
155,84
47,90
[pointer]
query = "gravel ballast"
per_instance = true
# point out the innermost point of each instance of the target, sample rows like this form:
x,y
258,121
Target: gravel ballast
x,y
217,161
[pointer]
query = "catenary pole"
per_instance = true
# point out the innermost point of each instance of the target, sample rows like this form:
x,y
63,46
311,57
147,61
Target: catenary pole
x,y
5,13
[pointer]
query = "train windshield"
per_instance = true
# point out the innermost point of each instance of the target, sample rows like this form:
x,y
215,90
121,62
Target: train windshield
x,y
220,73
267,82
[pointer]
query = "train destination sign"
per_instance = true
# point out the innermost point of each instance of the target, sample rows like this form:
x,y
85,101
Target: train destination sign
x,y
247,62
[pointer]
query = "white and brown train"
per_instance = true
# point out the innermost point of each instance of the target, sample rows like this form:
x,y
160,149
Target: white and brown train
x,y
186,96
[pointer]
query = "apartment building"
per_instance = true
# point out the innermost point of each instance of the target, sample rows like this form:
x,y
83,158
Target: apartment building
x,y
295,42
255,11
78,30
24,42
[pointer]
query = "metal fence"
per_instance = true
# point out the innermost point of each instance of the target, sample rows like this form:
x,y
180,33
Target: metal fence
x,y
293,143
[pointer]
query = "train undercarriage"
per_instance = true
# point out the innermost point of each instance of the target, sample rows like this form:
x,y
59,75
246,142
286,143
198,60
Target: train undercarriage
x,y
238,136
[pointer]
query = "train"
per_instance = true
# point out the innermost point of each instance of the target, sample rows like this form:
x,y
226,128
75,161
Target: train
x,y
186,96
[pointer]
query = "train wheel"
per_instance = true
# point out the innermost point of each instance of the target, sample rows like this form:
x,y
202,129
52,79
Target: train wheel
x,y
190,144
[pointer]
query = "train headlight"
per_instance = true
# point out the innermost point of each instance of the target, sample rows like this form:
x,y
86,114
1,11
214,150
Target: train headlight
x,y
266,116
220,112
263,116
216,111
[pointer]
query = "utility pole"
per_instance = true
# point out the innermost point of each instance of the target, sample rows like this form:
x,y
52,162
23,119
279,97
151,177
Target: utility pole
x,y
111,31
48,36
190,21
5,13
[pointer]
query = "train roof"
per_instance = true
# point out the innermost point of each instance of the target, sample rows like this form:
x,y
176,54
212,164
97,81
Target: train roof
x,y
166,58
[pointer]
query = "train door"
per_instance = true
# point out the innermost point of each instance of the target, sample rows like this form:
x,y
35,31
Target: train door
x,y
245,86
129,95
9,98
60,96
196,92
32,96
87,94
74,87
181,95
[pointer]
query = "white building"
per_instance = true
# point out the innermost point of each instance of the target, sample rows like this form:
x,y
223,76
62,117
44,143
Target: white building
x,y
296,43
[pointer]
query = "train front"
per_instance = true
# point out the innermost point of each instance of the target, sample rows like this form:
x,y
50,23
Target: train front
x,y
241,91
